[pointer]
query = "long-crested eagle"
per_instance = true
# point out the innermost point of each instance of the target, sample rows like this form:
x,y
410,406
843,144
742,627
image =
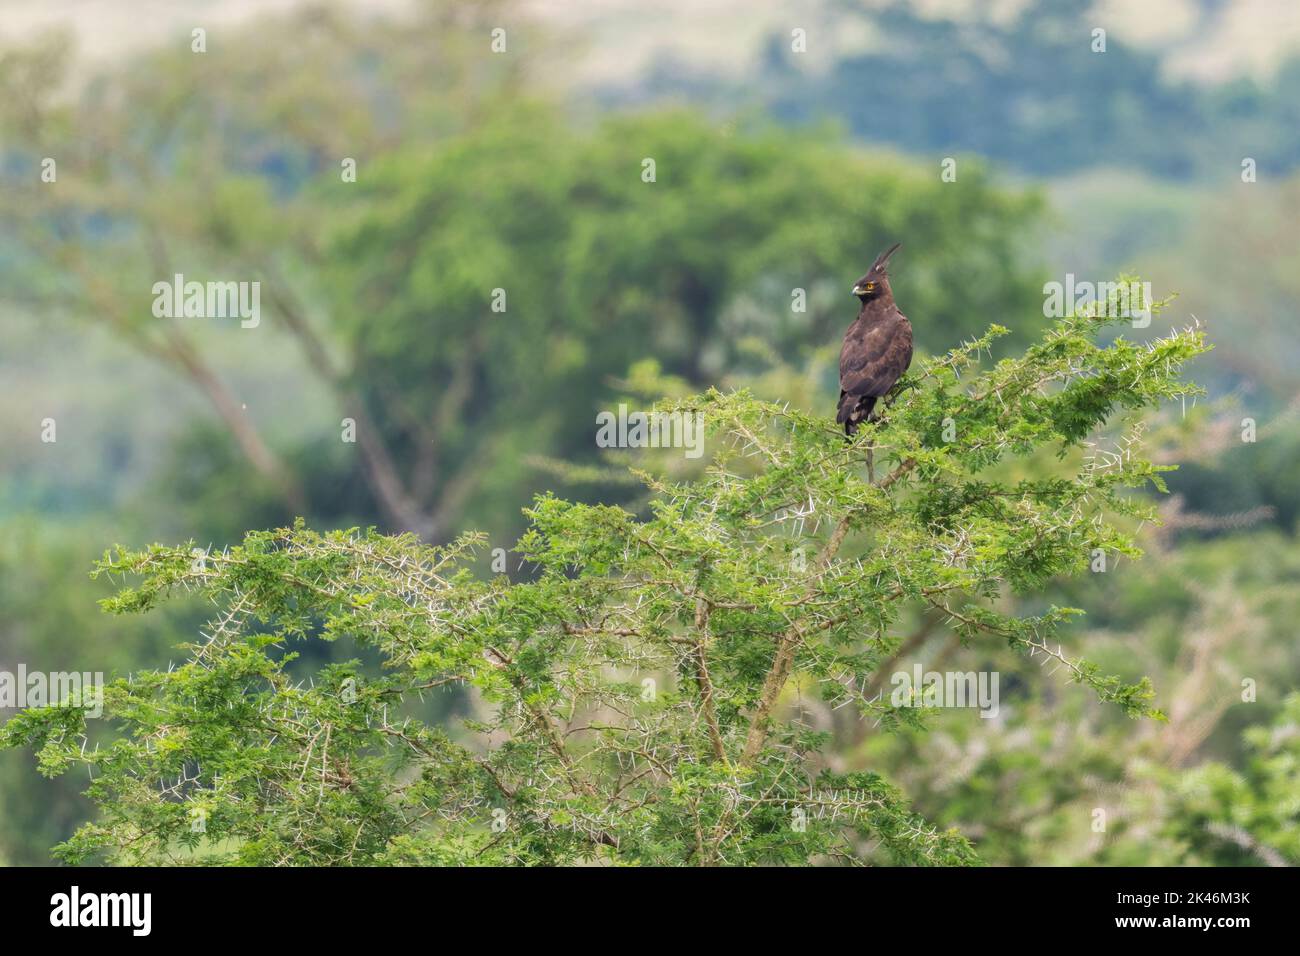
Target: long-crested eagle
x,y
877,347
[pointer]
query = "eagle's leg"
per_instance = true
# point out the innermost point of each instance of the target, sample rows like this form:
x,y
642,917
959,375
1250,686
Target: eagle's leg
x,y
870,416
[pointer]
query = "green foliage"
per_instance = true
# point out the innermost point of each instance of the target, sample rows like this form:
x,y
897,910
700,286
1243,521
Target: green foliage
x,y
634,692
1231,818
50,622
1027,787
600,269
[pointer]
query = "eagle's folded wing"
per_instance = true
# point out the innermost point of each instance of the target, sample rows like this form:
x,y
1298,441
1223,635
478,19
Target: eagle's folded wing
x,y
871,364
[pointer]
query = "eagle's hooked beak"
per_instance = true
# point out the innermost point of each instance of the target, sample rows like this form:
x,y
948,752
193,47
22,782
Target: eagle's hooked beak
x,y
859,289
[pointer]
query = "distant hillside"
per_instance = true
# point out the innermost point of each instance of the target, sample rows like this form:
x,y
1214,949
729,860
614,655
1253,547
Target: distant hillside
x,y
1031,88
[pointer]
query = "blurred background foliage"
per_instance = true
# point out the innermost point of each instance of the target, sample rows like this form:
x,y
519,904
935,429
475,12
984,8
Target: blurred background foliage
x,y
523,172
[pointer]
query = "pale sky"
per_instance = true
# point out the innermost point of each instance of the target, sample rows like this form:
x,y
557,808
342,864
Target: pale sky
x,y
1249,36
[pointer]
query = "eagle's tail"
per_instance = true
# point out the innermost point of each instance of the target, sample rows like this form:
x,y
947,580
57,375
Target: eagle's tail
x,y
854,409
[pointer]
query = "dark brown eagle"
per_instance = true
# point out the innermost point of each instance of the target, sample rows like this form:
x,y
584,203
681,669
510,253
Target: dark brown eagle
x,y
877,347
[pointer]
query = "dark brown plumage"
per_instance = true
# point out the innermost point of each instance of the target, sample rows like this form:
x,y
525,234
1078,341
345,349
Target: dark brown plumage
x,y
877,347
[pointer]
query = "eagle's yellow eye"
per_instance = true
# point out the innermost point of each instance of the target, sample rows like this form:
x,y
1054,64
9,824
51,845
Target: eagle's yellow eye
x,y
871,286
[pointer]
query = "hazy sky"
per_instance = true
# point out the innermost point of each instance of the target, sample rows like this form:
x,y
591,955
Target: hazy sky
x,y
1243,35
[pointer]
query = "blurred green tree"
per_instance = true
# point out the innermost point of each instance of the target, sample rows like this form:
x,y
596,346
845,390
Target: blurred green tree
x,y
384,287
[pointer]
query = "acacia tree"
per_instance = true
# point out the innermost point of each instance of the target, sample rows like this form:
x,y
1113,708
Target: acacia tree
x,y
635,693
